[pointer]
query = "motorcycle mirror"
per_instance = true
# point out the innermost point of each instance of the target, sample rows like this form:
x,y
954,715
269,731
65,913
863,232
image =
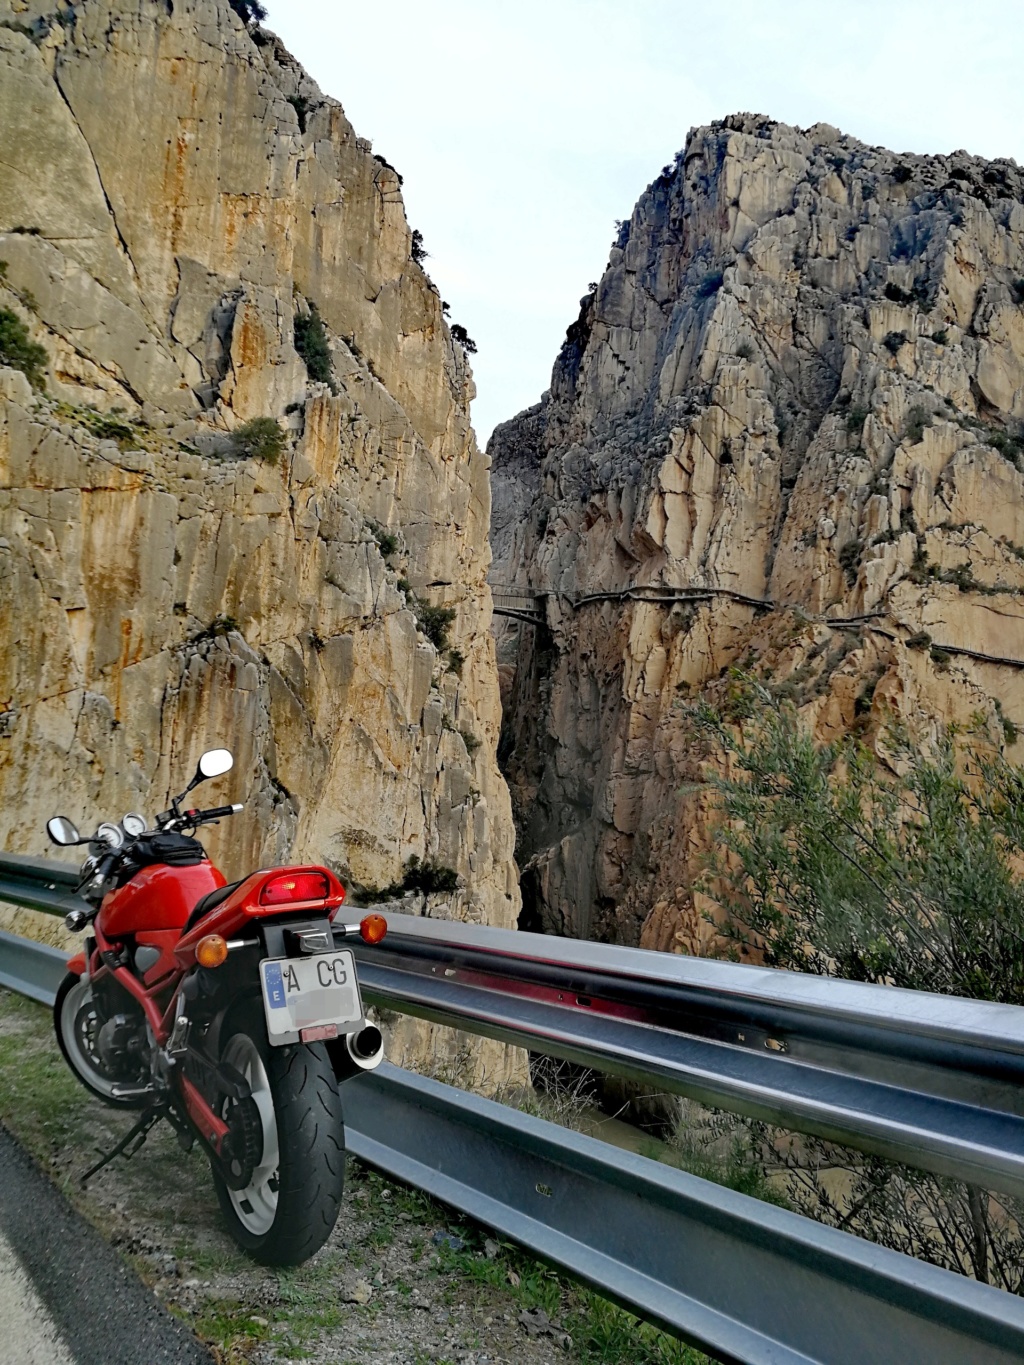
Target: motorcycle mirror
x,y
62,831
213,763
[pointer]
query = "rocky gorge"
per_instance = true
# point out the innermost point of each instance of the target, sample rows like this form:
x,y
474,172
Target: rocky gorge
x,y
784,435
198,240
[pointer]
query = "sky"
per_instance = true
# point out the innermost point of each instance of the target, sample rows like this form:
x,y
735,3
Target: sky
x,y
524,130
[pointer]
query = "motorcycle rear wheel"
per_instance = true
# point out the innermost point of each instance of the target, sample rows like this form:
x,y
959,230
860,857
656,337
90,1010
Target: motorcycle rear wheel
x,y
76,1022
288,1208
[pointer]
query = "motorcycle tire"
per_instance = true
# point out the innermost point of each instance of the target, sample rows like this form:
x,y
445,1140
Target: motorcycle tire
x,y
76,1026
289,1207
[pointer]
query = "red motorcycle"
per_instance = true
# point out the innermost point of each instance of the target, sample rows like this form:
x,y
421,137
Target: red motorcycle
x,y
229,1009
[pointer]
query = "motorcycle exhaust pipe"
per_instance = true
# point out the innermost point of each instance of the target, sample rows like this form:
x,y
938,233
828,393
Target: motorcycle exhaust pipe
x,y
365,1048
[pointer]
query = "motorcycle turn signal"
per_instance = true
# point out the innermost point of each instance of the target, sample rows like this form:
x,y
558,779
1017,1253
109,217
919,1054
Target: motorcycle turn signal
x,y
211,951
373,928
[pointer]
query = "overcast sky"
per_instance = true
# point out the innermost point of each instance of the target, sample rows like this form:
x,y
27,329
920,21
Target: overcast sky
x,y
524,129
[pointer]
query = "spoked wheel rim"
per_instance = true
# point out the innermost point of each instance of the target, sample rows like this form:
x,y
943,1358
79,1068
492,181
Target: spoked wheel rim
x,y
79,1027
256,1203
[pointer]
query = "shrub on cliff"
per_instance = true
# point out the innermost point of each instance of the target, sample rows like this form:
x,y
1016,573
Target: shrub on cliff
x,y
460,335
434,622
259,439
829,863
429,878
312,345
249,11
833,865
19,351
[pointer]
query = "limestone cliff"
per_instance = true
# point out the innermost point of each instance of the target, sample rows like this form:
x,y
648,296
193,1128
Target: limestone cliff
x,y
787,432
174,193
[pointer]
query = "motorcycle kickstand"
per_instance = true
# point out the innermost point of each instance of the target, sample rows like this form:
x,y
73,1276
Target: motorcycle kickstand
x,y
137,1134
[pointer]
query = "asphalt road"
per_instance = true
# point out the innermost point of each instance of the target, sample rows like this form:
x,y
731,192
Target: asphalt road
x,y
66,1298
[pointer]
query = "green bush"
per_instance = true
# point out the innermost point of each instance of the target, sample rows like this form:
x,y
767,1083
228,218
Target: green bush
x,y
745,351
387,541
429,878
849,558
18,350
434,623
301,106
460,335
905,873
710,284
855,420
824,871
220,625
249,11
312,345
894,341
941,337
917,420
259,439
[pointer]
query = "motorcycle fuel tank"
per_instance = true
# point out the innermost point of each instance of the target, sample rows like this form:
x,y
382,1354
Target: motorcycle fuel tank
x,y
157,897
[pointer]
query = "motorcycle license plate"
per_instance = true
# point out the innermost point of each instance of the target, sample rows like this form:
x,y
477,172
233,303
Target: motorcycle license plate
x,y
309,997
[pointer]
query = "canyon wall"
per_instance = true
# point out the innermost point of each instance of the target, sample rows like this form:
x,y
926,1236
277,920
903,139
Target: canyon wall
x,y
174,193
785,433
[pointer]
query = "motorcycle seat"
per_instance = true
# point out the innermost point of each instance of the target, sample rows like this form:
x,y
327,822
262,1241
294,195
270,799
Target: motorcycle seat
x,y
209,902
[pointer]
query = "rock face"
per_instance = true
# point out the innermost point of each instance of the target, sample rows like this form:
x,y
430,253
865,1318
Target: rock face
x,y
785,433
174,192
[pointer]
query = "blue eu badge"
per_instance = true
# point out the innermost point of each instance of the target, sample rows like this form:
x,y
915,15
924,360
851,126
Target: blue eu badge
x,y
275,985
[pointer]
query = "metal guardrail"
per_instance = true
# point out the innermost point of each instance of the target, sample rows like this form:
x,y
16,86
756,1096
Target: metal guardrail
x,y
929,1080
738,1278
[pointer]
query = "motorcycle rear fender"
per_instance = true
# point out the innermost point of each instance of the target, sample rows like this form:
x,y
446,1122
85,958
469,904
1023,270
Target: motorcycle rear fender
x,y
242,910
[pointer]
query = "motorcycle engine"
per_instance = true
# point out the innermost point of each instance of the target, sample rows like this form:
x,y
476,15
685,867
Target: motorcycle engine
x,y
121,1044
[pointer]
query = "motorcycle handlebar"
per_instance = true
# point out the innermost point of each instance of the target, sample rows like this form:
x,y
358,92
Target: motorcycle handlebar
x,y
202,817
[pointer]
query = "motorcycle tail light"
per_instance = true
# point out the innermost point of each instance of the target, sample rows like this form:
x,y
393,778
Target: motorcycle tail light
x,y
295,886
211,951
373,928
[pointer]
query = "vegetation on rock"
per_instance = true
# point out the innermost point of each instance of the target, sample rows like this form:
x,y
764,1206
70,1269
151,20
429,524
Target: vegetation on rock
x,y
249,11
314,348
428,878
434,622
259,439
19,351
904,871
460,335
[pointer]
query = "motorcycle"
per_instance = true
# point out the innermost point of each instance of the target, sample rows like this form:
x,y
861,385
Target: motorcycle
x,y
229,1009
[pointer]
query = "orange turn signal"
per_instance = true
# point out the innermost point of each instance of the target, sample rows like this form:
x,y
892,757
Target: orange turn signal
x,y
211,951
373,928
